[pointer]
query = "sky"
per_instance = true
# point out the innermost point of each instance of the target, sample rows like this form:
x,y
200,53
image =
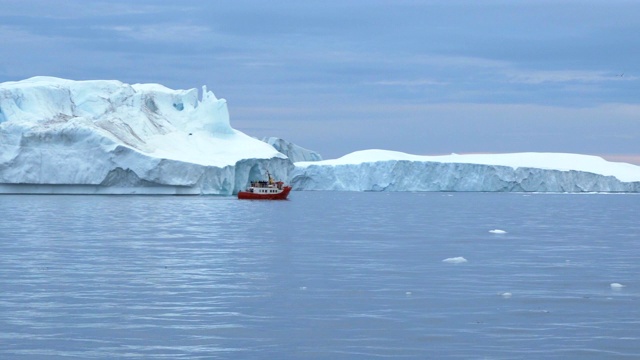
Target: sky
x,y
424,77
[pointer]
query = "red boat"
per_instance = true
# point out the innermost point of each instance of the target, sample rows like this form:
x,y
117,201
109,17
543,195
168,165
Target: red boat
x,y
265,190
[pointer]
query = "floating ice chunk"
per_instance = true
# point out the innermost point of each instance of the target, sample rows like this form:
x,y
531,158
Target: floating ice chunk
x,y
303,288
408,293
497,231
616,286
506,295
455,260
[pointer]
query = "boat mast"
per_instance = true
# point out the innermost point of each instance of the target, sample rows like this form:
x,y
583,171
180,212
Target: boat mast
x,y
270,178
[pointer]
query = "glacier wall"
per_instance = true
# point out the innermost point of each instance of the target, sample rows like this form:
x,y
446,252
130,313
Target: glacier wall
x,y
107,137
402,175
156,177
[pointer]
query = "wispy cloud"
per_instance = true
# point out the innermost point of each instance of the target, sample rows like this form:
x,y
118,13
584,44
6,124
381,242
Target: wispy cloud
x,y
78,9
504,71
15,34
262,64
448,61
163,32
417,82
562,76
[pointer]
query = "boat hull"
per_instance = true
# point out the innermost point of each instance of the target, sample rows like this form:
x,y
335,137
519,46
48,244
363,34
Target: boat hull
x,y
245,195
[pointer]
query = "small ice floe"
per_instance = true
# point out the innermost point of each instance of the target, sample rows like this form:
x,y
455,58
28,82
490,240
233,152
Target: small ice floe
x,y
455,260
408,293
506,295
303,288
617,286
497,231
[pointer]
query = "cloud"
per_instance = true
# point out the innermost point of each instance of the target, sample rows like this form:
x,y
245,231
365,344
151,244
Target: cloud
x,y
17,34
418,82
79,9
561,76
163,32
502,71
437,60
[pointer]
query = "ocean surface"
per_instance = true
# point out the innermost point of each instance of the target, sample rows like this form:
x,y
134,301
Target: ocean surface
x,y
324,275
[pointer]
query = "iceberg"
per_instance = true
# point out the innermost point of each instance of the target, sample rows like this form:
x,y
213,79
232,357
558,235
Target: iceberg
x,y
294,152
107,137
383,170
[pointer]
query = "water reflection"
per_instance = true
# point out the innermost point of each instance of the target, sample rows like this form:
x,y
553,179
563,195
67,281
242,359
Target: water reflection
x,y
346,275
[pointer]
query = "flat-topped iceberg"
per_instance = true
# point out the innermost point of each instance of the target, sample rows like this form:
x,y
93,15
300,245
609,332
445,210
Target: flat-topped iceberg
x,y
381,170
65,136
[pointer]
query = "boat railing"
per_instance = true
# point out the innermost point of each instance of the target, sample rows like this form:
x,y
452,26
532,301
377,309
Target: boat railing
x,y
260,184
267,184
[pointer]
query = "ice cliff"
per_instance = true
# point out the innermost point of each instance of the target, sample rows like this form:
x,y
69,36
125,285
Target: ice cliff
x,y
379,170
64,136
294,152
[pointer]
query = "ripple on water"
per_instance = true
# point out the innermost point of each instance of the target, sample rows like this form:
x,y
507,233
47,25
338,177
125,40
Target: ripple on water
x,y
319,276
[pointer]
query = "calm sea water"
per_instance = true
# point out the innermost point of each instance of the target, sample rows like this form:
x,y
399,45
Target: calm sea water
x,y
322,276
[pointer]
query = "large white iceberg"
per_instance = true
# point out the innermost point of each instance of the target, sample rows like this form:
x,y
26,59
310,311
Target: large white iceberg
x,y
381,170
64,136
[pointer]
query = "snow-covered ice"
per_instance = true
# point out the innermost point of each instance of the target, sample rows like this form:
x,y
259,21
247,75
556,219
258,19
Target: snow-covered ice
x,y
102,136
497,231
383,170
616,286
294,152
